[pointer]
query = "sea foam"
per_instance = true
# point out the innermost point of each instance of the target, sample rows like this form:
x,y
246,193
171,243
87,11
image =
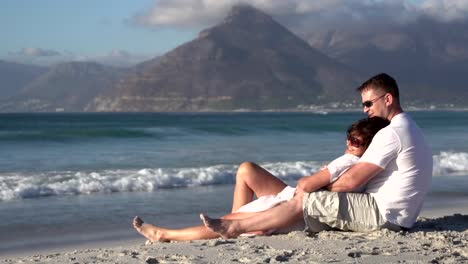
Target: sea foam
x,y
61,183
450,163
14,186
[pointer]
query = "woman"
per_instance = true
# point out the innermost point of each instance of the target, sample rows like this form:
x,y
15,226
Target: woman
x,y
251,179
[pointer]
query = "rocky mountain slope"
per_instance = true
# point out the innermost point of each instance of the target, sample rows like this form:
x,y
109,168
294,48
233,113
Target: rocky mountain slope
x,y
429,59
15,76
251,62
248,61
64,87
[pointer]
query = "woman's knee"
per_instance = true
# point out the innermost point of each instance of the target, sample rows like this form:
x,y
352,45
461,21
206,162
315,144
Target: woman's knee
x,y
246,170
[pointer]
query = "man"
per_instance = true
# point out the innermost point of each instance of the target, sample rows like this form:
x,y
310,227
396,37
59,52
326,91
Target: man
x,y
396,169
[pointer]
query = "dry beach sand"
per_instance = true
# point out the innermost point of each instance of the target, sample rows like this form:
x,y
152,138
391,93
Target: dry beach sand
x,y
431,240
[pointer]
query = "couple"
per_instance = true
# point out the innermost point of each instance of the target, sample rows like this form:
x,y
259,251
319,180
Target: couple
x,y
396,170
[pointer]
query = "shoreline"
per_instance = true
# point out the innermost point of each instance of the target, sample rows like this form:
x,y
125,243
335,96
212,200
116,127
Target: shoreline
x,y
62,241
318,110
437,230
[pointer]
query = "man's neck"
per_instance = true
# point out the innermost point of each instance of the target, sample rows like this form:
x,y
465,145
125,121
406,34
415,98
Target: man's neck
x,y
394,112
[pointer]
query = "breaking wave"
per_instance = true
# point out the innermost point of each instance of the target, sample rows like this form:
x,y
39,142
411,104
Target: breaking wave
x,y
62,183
450,163
14,186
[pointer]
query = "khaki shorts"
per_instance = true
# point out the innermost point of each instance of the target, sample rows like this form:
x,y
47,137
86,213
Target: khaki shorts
x,y
324,210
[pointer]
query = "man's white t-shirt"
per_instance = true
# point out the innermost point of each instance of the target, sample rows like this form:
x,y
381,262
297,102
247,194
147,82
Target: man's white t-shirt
x,y
340,165
399,190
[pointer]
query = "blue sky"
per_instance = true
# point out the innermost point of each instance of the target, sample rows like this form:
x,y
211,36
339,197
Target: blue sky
x,y
83,28
129,31
87,26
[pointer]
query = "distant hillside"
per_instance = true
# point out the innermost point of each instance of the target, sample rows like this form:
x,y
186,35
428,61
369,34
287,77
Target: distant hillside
x,y
14,76
251,62
65,87
429,60
248,61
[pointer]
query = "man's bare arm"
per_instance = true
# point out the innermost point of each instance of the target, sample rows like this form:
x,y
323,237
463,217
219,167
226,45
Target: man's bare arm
x,y
314,182
355,177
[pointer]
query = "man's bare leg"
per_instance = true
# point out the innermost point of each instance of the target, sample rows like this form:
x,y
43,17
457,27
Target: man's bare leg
x,y
156,233
282,216
252,179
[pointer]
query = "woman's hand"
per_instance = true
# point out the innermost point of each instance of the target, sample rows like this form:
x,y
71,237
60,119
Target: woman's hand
x,y
314,182
298,191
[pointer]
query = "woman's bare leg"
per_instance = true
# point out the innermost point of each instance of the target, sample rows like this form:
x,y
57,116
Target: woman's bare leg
x,y
282,216
252,179
156,233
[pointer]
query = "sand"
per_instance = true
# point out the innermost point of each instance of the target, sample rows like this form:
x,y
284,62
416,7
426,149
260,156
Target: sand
x,y
431,240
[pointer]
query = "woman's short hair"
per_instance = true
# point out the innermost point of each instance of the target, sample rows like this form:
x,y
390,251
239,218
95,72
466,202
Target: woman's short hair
x,y
367,128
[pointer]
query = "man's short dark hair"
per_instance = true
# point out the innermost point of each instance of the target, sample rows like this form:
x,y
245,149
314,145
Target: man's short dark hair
x,y
367,128
381,81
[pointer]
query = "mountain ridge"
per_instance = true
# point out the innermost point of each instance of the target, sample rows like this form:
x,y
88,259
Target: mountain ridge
x,y
249,61
14,76
65,87
425,57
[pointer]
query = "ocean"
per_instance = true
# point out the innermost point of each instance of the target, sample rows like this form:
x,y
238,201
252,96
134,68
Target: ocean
x,y
69,177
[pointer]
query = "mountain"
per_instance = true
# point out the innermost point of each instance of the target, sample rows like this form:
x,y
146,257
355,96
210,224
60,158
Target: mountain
x,y
429,59
248,61
65,87
15,76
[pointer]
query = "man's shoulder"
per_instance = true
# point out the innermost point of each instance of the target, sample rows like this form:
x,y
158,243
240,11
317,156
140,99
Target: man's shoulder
x,y
402,120
386,133
402,125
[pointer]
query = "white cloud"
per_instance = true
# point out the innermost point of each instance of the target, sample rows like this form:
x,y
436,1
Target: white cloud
x,y
37,56
200,13
120,58
35,52
196,13
183,13
446,10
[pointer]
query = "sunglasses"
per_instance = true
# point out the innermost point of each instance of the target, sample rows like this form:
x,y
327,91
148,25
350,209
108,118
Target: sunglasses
x,y
355,142
370,103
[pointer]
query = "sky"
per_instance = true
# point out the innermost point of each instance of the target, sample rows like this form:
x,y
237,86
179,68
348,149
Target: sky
x,y
47,31
125,32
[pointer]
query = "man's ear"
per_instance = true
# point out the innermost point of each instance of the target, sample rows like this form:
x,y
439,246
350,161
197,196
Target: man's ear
x,y
389,99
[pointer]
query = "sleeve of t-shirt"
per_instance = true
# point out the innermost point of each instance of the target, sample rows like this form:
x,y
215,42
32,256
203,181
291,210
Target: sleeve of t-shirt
x,y
384,148
340,165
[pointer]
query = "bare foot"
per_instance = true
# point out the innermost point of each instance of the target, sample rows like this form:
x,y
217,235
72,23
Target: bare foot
x,y
151,232
225,228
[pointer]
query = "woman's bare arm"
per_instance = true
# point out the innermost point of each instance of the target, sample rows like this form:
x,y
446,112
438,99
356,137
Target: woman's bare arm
x,y
315,181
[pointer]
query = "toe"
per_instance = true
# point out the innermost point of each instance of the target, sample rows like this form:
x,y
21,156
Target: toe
x,y
137,221
205,219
